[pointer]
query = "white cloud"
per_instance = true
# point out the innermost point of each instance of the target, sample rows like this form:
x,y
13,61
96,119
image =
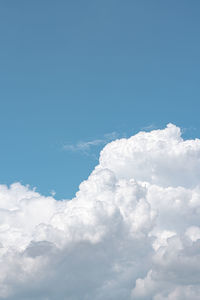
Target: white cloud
x,y
149,127
132,231
85,146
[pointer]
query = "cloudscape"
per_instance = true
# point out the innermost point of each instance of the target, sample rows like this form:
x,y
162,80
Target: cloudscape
x,y
131,232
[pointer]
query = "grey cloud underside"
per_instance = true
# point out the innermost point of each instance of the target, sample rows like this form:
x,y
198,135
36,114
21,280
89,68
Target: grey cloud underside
x,y
131,232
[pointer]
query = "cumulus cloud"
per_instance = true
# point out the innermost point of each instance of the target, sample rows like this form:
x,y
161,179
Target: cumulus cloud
x,y
131,232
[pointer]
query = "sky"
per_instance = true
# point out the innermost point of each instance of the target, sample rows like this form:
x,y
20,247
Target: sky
x,y
99,108
79,72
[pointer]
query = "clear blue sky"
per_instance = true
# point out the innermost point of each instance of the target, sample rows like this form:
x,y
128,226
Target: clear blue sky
x,y
74,71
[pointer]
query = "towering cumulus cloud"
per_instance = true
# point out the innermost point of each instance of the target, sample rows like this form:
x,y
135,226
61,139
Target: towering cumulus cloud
x,y
131,232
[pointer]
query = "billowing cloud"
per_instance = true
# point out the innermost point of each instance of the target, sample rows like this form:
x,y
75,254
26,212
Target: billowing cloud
x,y
132,231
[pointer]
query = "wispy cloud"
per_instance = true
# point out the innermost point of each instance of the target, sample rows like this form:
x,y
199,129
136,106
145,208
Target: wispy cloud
x,y
149,127
85,146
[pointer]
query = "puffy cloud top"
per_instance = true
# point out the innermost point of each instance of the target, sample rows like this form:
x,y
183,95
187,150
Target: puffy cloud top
x,y
159,157
131,232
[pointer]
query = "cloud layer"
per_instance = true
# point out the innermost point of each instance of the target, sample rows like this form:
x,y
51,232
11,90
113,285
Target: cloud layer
x,y
131,232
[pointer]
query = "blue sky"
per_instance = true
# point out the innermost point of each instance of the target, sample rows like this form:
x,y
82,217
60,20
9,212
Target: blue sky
x,y
74,72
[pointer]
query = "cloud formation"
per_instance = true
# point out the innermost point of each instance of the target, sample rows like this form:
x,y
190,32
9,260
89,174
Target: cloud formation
x,y
132,231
